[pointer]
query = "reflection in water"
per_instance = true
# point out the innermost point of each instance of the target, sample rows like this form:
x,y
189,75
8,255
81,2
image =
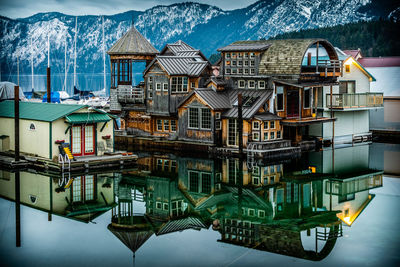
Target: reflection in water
x,y
295,208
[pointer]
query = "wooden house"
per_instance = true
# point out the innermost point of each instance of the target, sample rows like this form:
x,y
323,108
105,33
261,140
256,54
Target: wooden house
x,y
44,126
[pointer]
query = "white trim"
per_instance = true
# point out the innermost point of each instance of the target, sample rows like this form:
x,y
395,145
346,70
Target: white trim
x,y
244,85
254,86
259,86
165,87
158,86
255,128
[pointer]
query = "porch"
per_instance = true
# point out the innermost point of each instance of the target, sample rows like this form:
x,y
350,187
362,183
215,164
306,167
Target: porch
x,y
354,101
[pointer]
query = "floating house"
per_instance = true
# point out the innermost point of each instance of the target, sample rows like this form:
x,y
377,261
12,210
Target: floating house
x,y
45,126
285,91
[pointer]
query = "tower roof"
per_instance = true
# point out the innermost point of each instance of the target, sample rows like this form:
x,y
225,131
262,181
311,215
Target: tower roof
x,y
132,238
132,43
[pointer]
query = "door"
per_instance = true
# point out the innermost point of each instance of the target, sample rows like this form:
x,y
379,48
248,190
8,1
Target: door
x,y
292,104
83,140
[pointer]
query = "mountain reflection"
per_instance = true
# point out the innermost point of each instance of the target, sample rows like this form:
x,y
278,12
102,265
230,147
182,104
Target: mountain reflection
x,y
296,208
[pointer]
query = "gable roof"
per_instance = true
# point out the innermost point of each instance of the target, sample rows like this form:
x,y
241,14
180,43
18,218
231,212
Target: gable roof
x,y
246,46
216,100
38,111
376,62
132,43
356,53
361,67
259,97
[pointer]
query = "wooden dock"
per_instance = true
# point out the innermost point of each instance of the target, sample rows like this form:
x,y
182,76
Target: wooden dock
x,y
88,163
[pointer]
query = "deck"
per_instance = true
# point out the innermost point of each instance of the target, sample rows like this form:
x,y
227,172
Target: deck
x,y
306,121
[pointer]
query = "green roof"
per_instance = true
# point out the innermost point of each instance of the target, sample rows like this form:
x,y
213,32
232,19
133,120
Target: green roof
x,y
38,111
87,117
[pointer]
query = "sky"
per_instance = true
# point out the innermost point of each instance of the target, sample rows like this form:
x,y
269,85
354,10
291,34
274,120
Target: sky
x,y
25,8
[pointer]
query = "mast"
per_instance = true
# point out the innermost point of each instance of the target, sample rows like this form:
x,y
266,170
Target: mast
x,y
65,64
76,31
104,56
32,64
48,70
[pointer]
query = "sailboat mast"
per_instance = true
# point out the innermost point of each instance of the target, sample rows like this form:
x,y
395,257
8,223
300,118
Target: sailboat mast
x,y
65,64
32,63
76,31
104,56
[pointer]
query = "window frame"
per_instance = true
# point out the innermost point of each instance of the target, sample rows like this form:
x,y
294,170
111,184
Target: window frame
x,y
244,84
254,84
307,99
200,115
259,84
253,123
158,87
165,87
282,94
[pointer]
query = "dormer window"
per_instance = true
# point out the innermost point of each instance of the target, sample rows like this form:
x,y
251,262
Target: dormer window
x,y
252,55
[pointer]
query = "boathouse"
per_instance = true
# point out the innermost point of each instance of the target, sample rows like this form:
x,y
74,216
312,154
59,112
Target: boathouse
x,y
45,126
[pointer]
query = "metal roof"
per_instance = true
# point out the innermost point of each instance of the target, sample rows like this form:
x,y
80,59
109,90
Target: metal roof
x,y
216,100
259,96
179,65
266,116
38,111
181,224
179,46
132,43
87,117
246,46
133,238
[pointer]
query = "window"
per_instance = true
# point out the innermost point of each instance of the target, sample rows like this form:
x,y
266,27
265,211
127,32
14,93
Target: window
x,y
159,125
179,84
251,212
233,62
205,183
242,84
246,71
165,206
347,87
265,136
228,55
240,63
150,79
150,90
240,71
124,72
256,125
166,125
199,118
173,125
252,71
252,63
165,87
272,135
239,55
218,115
194,180
233,55
194,118
205,118
246,63
228,63
261,84
278,135
228,71
158,86
234,71
158,205
279,98
307,97
347,68
252,55
246,55
265,125
218,125
192,85
261,214
252,84
256,136
272,124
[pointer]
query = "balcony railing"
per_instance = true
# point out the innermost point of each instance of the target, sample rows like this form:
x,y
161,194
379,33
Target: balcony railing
x,y
330,66
348,101
130,95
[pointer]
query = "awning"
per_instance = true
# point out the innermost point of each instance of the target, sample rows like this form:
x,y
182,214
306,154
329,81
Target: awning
x,y
87,117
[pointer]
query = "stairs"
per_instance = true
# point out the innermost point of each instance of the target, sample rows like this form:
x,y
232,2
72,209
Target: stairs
x,y
68,153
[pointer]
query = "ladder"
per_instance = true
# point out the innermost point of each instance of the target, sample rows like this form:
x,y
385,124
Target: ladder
x,y
250,155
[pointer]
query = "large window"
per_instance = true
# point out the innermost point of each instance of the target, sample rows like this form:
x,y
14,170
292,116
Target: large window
x,y
347,87
279,98
179,84
199,118
199,182
232,132
124,76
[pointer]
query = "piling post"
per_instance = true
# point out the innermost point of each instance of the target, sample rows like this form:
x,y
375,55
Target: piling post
x,y
16,122
17,210
240,125
48,86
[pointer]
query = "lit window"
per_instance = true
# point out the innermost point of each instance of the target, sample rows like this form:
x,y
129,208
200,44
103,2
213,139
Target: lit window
x,y
347,68
242,84
256,125
158,86
159,125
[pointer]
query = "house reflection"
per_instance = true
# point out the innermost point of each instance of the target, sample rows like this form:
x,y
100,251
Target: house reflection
x,y
292,208
81,198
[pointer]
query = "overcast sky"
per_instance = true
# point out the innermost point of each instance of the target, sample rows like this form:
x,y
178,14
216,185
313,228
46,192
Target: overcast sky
x,y
26,8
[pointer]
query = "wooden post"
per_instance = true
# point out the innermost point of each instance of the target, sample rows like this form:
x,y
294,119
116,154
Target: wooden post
x,y
300,102
316,102
240,125
16,122
333,122
317,71
17,210
48,86
309,59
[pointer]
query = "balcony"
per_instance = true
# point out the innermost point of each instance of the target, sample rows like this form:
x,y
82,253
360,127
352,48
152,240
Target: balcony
x,y
354,101
130,95
324,70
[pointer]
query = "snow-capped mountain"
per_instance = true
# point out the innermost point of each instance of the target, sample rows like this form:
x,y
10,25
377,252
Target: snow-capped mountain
x,y
203,26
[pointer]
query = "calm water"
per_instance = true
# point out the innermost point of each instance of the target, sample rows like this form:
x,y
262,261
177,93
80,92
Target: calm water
x,y
326,208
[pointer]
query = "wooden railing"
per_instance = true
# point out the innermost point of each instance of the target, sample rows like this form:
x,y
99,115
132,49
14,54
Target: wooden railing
x,y
326,66
130,95
347,101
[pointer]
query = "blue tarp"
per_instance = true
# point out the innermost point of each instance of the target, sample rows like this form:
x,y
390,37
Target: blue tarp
x,y
54,97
